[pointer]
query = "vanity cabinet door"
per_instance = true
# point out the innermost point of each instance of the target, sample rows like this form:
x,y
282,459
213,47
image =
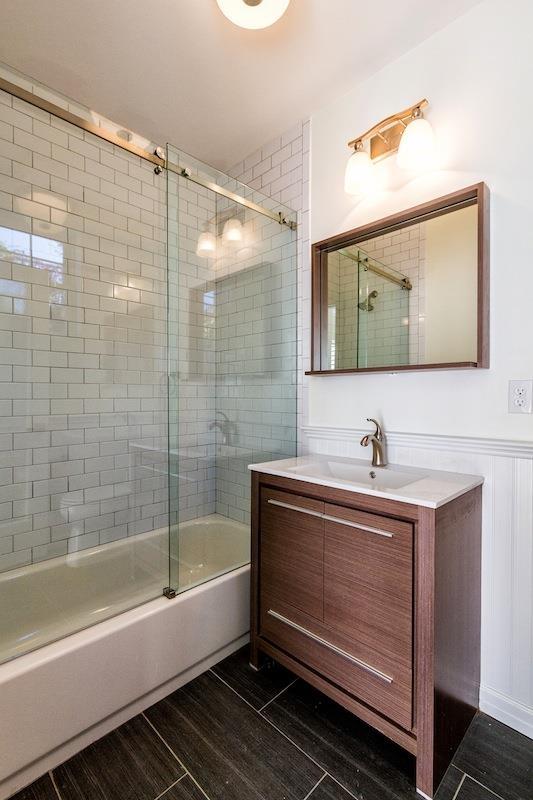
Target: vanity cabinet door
x,y
292,552
368,595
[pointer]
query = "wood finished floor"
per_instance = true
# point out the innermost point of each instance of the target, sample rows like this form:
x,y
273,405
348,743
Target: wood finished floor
x,y
234,734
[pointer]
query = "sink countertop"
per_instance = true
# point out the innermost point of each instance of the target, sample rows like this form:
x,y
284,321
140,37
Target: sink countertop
x,y
419,486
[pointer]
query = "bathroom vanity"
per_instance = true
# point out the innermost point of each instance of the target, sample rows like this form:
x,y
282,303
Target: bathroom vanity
x,y
366,583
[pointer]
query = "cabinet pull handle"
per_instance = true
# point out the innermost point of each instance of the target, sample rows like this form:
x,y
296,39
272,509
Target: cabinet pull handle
x,y
296,508
331,519
359,526
330,646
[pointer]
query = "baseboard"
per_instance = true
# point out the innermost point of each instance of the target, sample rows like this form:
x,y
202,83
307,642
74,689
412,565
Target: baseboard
x,y
61,754
506,710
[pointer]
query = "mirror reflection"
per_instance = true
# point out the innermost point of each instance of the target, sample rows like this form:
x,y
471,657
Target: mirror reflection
x,y
405,297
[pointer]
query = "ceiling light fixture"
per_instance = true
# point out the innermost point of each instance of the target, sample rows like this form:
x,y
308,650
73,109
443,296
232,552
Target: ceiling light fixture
x,y
253,14
407,133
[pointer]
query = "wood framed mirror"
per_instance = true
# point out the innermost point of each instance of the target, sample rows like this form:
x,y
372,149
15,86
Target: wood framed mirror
x,y
407,292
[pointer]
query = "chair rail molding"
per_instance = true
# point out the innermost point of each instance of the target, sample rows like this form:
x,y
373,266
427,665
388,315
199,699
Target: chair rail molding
x,y
513,448
507,573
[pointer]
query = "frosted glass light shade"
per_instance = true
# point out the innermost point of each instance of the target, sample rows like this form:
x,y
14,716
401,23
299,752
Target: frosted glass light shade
x,y
253,14
207,245
417,146
232,231
359,177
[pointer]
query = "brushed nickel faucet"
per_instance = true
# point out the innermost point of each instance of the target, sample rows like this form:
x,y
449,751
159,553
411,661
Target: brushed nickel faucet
x,y
378,445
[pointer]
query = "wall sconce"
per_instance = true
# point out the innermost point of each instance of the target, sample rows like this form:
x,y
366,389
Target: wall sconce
x,y
232,231
207,245
407,133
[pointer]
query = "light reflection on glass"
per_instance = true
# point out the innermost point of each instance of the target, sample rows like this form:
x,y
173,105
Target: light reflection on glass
x,y
35,251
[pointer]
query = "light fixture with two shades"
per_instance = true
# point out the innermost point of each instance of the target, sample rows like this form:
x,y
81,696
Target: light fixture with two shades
x,y
232,235
407,133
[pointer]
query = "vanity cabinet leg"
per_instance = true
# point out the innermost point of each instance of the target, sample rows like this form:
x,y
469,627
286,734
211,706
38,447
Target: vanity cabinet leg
x,y
256,658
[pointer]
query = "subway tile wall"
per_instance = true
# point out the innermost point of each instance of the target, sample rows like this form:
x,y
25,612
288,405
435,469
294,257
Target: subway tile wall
x,y
192,209
83,358
256,343
83,339
395,334
232,321
281,170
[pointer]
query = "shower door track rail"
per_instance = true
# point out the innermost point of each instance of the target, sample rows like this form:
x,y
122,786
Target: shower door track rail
x,y
403,281
159,163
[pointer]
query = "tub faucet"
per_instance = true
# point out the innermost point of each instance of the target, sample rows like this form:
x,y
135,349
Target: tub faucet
x,y
378,445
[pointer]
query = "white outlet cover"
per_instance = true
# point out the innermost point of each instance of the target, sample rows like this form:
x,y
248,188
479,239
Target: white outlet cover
x,y
520,396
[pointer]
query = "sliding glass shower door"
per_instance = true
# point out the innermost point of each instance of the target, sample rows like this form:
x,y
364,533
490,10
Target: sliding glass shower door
x,y
148,330
83,375
232,360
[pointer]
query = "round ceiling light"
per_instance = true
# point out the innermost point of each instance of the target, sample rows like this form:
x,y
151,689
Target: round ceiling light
x,y
253,14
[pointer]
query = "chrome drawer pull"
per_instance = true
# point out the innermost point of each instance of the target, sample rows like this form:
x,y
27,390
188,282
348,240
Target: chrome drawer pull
x,y
330,646
358,525
331,519
296,508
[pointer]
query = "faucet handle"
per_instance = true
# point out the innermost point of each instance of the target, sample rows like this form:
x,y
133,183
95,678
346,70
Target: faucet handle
x,y
378,432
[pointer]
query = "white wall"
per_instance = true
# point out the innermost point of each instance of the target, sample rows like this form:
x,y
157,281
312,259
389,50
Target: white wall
x,y
474,74
450,322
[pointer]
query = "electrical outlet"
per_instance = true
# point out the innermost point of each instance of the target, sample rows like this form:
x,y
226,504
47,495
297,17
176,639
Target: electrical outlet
x,y
521,397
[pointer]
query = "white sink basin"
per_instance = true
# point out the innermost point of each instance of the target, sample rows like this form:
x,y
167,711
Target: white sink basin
x,y
421,487
378,478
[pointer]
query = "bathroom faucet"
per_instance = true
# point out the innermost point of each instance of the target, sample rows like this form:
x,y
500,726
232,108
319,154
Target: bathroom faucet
x,y
378,445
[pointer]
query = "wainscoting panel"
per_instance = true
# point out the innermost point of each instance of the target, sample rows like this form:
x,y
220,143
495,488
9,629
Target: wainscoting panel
x,y
507,584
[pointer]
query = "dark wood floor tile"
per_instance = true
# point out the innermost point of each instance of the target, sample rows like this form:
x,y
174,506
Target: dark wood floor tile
x,y
366,763
131,763
42,789
232,751
498,757
256,687
185,789
329,789
449,784
470,790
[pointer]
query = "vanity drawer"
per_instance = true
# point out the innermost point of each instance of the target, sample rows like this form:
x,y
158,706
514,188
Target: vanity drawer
x,y
378,680
291,553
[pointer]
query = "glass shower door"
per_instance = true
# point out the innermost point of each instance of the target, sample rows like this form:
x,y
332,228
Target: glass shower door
x,y
83,500
383,315
232,361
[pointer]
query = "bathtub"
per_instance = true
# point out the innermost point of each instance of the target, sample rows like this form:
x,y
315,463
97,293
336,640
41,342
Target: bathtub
x,y
65,694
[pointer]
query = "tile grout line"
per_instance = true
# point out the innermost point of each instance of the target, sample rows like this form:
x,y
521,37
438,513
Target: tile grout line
x,y
317,784
160,796
459,787
337,781
285,736
180,762
484,787
234,691
277,695
54,784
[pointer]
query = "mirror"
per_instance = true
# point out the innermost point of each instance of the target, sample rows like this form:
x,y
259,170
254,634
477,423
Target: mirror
x,y
407,292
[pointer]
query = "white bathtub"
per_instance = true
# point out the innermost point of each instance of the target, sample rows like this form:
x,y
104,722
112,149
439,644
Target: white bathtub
x,y
64,695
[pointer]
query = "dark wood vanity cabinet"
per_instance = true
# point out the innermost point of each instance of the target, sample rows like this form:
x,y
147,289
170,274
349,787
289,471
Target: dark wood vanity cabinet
x,y
377,604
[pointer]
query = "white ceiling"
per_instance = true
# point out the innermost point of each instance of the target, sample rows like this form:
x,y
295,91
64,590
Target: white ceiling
x,y
179,71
